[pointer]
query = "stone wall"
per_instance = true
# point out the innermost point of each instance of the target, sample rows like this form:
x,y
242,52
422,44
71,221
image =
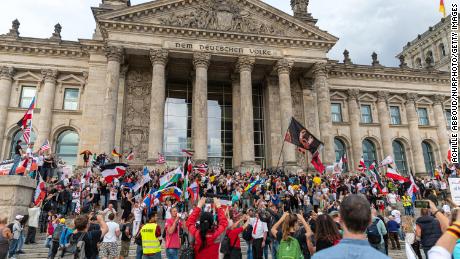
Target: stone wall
x,y
15,195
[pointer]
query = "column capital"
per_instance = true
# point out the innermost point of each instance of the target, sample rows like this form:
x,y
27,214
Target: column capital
x,y
49,75
383,96
412,97
7,72
284,66
438,99
201,59
319,69
114,53
245,63
159,56
353,94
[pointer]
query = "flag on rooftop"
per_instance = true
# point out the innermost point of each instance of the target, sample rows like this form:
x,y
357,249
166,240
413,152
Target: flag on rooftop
x,y
442,8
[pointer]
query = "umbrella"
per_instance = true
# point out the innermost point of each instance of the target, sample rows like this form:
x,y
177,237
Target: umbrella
x,y
86,152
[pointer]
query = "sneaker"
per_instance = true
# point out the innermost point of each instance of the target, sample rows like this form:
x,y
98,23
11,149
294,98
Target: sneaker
x,y
20,252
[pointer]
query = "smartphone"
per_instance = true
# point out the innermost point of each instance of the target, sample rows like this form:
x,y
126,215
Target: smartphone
x,y
422,204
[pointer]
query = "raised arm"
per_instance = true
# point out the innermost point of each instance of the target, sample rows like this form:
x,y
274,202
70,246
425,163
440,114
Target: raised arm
x,y
104,227
275,227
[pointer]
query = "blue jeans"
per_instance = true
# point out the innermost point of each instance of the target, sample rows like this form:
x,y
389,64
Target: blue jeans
x,y
172,253
154,256
266,248
139,252
13,247
16,161
275,245
249,253
21,241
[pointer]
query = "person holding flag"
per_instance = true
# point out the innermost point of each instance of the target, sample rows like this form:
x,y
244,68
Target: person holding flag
x,y
18,153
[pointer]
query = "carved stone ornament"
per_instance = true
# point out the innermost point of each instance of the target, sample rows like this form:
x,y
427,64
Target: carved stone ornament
x,y
429,62
49,75
383,96
201,59
320,70
402,62
412,97
353,94
14,31
245,63
346,57
284,66
114,53
159,56
222,15
57,32
438,99
7,72
375,60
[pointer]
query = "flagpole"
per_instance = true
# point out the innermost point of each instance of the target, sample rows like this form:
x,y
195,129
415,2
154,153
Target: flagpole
x,y
279,158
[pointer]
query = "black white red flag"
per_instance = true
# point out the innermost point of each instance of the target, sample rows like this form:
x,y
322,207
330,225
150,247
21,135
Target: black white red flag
x,y
302,138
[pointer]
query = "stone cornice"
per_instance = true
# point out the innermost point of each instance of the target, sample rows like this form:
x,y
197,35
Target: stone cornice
x,y
387,73
149,29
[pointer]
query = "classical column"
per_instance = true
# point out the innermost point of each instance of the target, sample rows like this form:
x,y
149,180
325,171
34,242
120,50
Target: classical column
x,y
201,62
384,118
236,120
114,56
244,66
46,105
439,116
354,117
324,111
6,80
415,139
159,59
284,67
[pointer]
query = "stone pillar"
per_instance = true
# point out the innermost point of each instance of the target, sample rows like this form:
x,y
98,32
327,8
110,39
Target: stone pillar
x,y
6,81
159,59
46,106
114,56
354,117
284,67
324,111
384,118
236,115
16,192
244,66
415,139
200,106
442,131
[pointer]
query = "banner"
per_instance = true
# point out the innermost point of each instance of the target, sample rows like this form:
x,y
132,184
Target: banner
x,y
5,167
301,137
455,189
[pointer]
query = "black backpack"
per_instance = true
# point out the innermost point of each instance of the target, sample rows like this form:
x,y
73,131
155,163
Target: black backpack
x,y
57,232
225,246
247,233
373,234
75,248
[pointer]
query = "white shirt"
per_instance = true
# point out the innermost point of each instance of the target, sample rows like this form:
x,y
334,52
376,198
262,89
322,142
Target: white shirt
x,y
167,212
111,236
40,160
438,252
137,214
107,212
391,198
259,230
113,195
397,215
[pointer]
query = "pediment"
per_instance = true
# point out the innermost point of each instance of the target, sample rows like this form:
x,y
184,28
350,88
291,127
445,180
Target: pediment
x,y
28,76
252,17
424,101
71,79
396,99
338,96
367,98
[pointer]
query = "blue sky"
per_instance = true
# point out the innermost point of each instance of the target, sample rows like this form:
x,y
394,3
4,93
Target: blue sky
x,y
363,26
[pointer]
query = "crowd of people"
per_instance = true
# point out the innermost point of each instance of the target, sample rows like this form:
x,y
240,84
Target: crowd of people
x,y
299,215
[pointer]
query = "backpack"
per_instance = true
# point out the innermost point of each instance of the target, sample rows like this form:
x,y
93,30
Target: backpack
x,y
373,234
75,248
289,249
57,232
247,233
225,246
186,250
10,226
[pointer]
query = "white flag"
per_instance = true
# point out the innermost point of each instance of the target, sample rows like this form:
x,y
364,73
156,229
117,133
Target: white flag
x,y
388,160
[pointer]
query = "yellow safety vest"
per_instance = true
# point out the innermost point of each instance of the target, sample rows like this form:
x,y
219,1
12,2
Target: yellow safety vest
x,y
150,243
406,201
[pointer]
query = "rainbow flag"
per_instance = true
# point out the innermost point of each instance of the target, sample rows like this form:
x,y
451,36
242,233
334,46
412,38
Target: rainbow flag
x,y
442,8
174,192
252,185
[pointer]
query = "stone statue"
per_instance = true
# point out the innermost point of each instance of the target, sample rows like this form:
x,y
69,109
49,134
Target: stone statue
x,y
429,61
346,58
402,62
375,60
14,31
57,32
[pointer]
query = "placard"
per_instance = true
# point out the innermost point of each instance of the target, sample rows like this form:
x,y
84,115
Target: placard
x,y
454,184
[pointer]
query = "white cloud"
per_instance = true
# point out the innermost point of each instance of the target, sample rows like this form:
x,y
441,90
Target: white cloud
x,y
363,26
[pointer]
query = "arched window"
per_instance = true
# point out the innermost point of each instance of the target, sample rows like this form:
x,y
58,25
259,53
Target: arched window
x,y
442,50
400,156
428,157
67,147
19,136
369,153
418,63
340,151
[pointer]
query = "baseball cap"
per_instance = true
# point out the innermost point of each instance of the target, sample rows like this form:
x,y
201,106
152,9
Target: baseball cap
x,y
62,221
19,217
334,213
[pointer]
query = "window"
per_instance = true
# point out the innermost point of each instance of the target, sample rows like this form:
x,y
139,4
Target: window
x,y
336,112
340,151
428,157
418,63
67,147
369,154
395,115
423,116
430,54
18,136
448,118
400,156
27,94
71,99
366,114
442,50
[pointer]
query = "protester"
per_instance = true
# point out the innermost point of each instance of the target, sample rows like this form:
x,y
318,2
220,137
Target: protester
x,y
34,215
91,238
393,229
5,236
126,235
172,227
428,229
151,233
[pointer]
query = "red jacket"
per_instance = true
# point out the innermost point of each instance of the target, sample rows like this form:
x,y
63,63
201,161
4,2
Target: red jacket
x,y
212,248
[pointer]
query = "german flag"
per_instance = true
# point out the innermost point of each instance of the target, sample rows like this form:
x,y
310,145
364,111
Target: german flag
x,y
115,153
442,8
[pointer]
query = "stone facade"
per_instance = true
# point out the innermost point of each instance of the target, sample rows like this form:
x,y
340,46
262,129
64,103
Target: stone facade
x,y
137,52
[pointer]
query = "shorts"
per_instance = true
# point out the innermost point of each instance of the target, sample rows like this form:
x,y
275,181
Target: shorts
x,y
124,248
108,249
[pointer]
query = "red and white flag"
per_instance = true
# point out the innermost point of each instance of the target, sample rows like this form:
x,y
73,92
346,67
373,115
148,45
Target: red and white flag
x,y
361,165
112,171
387,161
187,153
161,159
391,173
413,187
40,192
202,168
26,135
130,156
194,191
45,146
